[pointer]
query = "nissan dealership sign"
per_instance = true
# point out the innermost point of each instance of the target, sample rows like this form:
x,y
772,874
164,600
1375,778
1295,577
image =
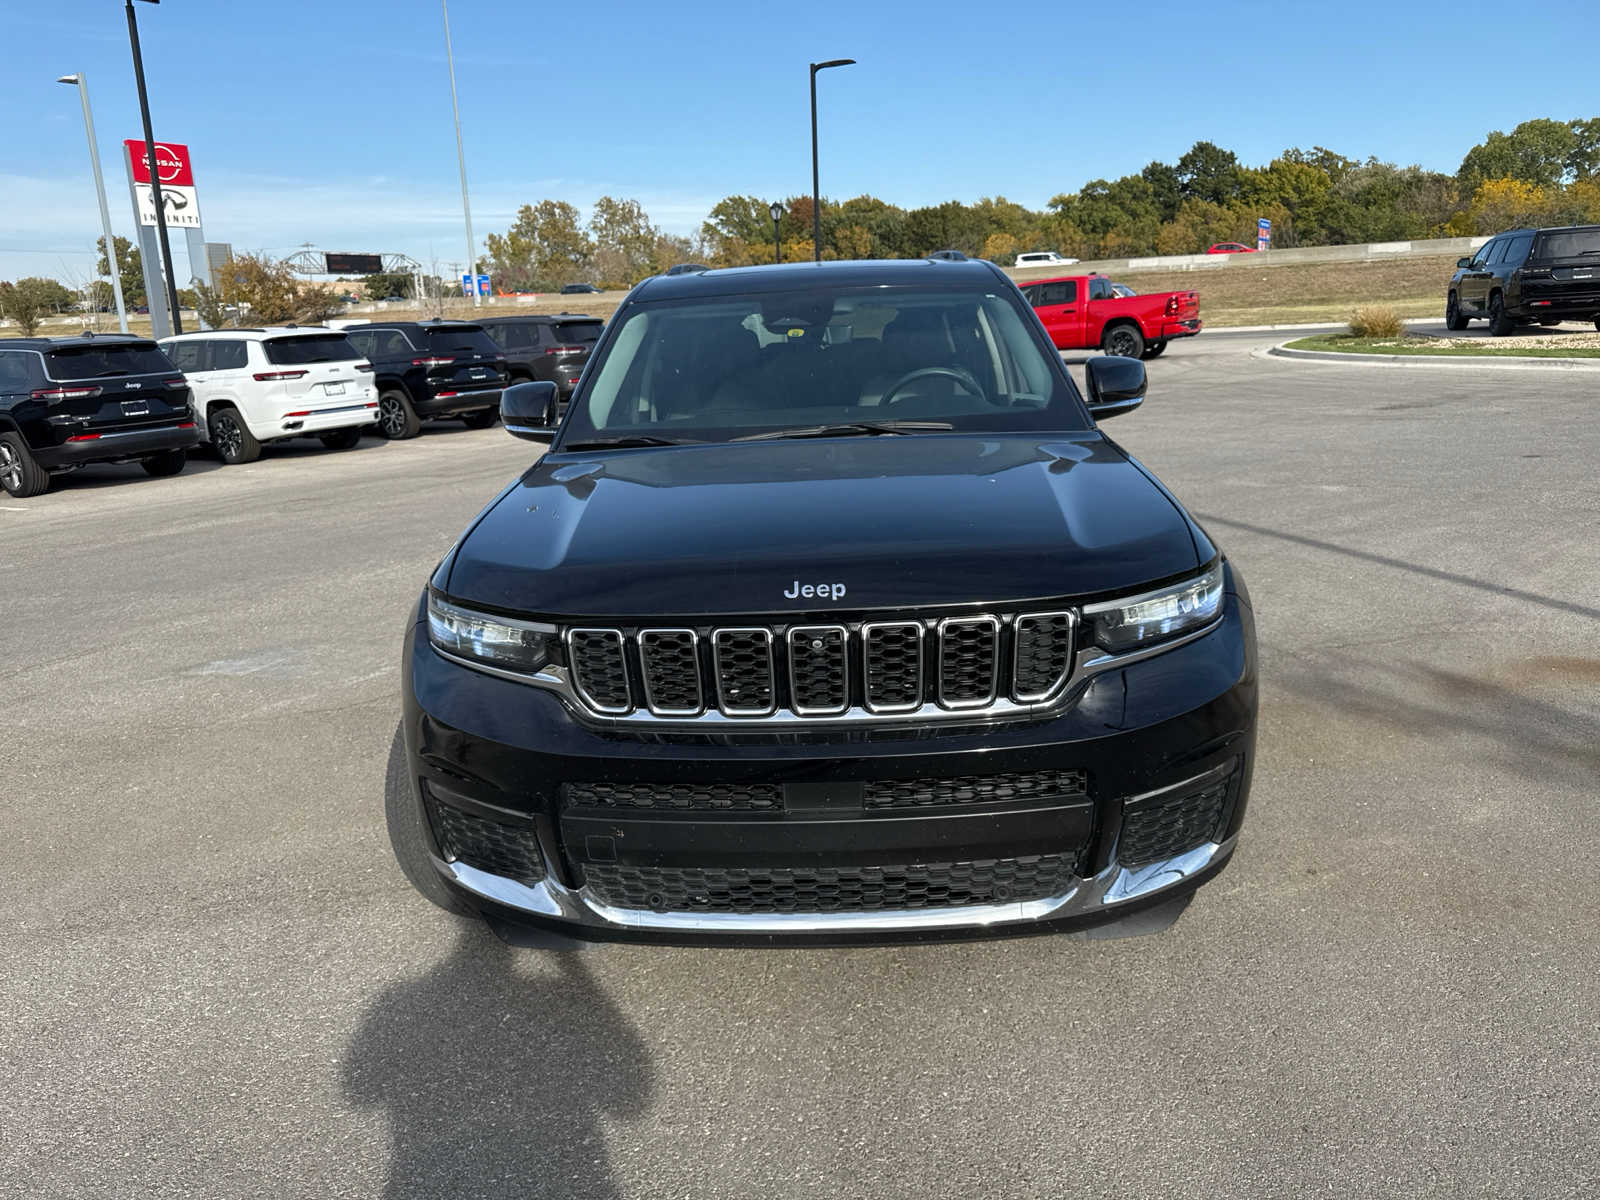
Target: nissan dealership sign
x,y
177,183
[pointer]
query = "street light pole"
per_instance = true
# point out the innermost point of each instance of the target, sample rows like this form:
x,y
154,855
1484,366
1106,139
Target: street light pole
x,y
461,157
82,82
155,168
816,191
775,211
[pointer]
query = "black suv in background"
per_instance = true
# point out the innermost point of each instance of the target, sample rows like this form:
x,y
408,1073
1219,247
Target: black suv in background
x,y
1528,275
431,369
551,348
68,401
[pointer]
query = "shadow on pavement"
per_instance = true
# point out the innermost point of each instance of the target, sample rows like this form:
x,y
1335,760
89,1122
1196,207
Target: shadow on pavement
x,y
495,1070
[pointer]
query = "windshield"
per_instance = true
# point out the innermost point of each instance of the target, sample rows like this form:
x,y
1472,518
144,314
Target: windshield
x,y
1570,243
461,339
95,362
725,367
322,347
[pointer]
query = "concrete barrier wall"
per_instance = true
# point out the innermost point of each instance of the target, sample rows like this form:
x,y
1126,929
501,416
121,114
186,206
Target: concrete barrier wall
x,y
1424,248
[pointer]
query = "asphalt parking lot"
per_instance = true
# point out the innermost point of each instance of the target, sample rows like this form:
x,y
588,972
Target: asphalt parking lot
x,y
218,984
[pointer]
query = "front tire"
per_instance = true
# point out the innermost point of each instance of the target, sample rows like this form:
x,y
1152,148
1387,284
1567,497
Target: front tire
x,y
168,462
231,437
1124,340
1454,320
481,419
408,834
341,439
1154,349
20,473
1499,323
397,420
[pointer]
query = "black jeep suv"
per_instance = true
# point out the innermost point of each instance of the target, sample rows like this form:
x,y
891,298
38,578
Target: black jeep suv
x,y
68,401
550,348
1528,275
828,614
428,369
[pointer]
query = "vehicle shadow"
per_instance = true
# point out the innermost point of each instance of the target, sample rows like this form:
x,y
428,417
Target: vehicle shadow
x,y
496,1069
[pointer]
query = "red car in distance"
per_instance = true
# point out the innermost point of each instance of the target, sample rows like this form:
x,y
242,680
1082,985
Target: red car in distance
x,y
1230,248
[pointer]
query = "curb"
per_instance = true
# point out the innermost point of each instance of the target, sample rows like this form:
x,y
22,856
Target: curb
x,y
1312,325
1485,362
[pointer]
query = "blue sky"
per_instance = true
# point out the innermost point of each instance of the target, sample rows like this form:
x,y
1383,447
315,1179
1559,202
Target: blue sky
x,y
329,122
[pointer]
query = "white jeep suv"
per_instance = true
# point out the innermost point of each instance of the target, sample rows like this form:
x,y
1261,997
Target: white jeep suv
x,y
253,386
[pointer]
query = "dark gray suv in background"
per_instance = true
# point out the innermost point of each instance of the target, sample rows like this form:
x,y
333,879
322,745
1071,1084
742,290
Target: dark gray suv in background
x,y
548,348
1525,276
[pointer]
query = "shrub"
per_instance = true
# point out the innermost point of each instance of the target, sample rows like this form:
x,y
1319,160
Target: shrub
x,y
1376,321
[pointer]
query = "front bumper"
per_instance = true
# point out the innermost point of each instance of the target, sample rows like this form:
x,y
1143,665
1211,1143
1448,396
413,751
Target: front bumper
x,y
119,446
1150,738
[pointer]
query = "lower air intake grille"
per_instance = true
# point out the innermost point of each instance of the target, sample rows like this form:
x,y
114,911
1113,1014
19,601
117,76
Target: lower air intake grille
x,y
976,789
855,889
730,797
511,851
1172,823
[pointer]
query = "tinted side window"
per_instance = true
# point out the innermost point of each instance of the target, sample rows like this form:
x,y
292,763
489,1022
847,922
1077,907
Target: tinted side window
x,y
392,344
228,356
1481,258
13,372
186,355
1100,289
1517,252
500,334
362,341
1065,292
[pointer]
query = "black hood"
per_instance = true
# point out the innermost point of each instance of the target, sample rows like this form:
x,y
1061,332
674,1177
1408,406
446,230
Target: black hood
x,y
900,522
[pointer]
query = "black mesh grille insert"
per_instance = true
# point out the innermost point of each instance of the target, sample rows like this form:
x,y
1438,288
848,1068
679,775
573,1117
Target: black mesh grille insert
x,y
1044,654
976,789
893,663
731,797
598,669
967,660
671,670
501,849
744,670
854,889
818,677
1163,826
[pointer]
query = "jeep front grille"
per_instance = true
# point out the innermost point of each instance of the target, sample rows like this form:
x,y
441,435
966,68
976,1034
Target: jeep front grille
x,y
981,665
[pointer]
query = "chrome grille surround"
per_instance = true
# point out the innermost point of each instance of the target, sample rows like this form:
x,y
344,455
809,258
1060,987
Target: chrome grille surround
x,y
969,661
1032,681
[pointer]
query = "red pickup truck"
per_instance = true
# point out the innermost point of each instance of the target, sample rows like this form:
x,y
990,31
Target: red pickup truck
x,y
1080,311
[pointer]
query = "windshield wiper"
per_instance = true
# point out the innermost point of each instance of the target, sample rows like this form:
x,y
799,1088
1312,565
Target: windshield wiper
x,y
622,443
849,429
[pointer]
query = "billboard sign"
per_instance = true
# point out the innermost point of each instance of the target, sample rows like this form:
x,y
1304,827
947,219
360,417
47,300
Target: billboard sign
x,y
1264,234
177,183
353,264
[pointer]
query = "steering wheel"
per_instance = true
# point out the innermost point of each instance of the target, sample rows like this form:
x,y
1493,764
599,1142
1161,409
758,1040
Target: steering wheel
x,y
960,374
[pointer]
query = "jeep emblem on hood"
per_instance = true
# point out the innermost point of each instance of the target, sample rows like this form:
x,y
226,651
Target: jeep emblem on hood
x,y
822,591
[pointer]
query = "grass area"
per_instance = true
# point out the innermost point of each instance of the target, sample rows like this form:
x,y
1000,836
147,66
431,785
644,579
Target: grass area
x,y
1346,344
1289,295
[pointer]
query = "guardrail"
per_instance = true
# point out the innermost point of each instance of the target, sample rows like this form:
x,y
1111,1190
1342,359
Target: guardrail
x,y
1423,248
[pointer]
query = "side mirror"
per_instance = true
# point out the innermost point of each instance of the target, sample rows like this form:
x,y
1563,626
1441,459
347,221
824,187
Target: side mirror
x,y
1116,385
529,411
1463,262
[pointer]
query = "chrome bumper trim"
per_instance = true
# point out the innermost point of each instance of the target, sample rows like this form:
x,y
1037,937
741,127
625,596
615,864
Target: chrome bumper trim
x,y
1114,886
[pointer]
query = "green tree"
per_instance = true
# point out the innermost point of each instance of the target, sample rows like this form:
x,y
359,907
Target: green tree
x,y
1208,172
27,301
544,249
625,242
1540,152
130,267
1584,161
388,283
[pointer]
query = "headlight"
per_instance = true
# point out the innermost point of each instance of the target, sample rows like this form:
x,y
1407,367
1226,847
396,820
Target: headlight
x,y
1121,625
503,642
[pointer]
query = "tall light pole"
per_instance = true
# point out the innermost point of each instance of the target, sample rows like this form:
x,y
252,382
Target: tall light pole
x,y
155,168
775,211
461,156
816,190
80,80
